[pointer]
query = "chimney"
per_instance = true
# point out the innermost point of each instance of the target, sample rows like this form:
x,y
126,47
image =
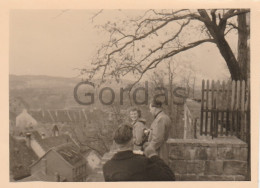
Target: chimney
x,y
44,165
28,139
57,177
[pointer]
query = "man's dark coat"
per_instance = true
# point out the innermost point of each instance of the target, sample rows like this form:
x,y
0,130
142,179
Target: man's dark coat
x,y
127,166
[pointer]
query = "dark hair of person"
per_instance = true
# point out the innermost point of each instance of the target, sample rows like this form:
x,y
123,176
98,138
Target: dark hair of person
x,y
135,109
123,134
156,103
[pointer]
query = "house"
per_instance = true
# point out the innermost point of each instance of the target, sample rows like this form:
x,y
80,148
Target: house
x,y
41,144
61,163
25,120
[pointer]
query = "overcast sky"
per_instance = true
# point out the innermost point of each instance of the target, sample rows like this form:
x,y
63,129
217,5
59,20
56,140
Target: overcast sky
x,y
54,42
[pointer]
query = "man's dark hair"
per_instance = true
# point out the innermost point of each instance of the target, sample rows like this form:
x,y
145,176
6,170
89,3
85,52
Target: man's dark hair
x,y
156,103
123,134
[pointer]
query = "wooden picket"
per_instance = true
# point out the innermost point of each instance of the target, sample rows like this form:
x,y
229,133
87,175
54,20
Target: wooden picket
x,y
225,109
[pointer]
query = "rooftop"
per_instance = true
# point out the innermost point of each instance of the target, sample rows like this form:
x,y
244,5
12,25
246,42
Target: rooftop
x,y
53,141
58,115
70,153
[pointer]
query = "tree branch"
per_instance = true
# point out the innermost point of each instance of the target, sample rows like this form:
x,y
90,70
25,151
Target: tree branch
x,y
231,13
92,19
156,61
213,15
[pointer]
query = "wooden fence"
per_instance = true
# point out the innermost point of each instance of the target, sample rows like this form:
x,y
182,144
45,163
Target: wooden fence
x,y
225,109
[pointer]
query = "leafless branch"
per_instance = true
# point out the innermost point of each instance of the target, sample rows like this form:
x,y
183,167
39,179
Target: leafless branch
x,y
213,15
232,13
61,13
92,19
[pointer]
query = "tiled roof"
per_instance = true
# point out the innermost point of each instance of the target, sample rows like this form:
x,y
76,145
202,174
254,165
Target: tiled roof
x,y
58,115
46,116
63,116
37,115
54,115
70,153
54,141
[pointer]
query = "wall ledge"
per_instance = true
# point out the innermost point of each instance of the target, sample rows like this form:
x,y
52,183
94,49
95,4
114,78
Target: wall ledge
x,y
217,142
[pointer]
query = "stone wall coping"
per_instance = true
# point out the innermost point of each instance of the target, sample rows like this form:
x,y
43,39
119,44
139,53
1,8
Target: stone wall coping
x,y
217,142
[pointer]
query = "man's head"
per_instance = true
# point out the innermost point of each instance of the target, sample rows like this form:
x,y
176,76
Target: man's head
x,y
123,137
155,105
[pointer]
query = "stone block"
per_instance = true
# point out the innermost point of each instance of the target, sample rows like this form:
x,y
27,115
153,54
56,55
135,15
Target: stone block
x,y
240,178
188,177
212,152
215,178
179,153
225,153
232,153
213,167
179,166
190,152
195,167
242,154
201,153
177,177
206,153
235,167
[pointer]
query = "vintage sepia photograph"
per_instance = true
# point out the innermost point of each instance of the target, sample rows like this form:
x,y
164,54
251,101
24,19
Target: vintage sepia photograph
x,y
109,95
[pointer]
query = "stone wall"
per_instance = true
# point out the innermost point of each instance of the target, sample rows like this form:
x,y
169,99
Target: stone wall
x,y
220,159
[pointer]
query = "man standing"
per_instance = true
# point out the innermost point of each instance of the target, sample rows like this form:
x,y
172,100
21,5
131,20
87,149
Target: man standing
x,y
127,166
160,130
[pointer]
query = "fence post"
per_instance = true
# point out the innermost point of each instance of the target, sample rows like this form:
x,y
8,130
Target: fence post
x,y
229,89
233,95
222,107
237,109
202,107
212,106
243,122
207,109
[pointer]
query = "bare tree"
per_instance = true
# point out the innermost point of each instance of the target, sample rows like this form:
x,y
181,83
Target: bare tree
x,y
188,75
140,44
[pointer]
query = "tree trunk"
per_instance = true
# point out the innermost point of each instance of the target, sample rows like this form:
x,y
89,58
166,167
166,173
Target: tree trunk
x,y
217,32
229,57
243,47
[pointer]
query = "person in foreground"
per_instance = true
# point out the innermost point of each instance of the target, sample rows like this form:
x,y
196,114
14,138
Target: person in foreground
x,y
127,166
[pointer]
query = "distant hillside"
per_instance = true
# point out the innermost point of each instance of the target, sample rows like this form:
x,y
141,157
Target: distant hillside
x,y
42,81
18,82
49,92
